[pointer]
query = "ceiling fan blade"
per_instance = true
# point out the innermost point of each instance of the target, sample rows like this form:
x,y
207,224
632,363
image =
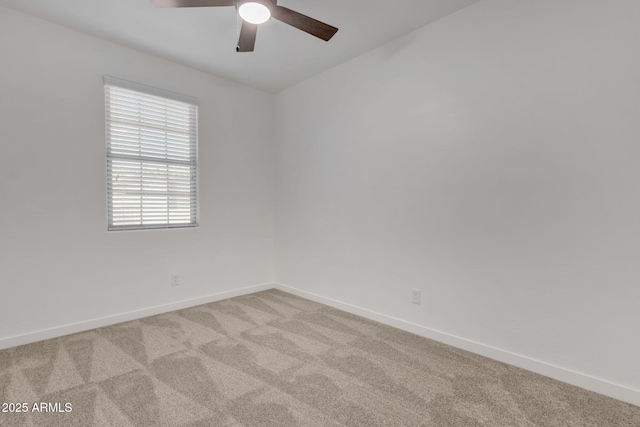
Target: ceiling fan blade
x,y
191,3
247,39
304,23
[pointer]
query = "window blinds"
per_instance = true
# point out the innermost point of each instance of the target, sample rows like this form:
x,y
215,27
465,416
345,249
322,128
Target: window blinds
x,y
151,157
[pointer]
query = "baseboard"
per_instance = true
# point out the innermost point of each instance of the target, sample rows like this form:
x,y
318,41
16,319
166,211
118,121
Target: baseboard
x,y
578,379
73,328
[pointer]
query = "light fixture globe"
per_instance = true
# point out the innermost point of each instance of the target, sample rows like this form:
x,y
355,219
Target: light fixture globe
x,y
255,11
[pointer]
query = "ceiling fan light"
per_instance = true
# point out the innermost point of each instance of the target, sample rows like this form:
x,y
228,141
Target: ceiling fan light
x,y
254,13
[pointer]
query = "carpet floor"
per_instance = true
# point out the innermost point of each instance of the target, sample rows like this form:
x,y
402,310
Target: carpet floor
x,y
274,359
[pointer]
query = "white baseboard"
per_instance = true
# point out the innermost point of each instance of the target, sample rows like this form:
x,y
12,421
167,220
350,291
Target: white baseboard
x,y
73,328
578,379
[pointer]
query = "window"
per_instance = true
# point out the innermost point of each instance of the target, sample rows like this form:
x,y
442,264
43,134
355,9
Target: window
x,y
151,138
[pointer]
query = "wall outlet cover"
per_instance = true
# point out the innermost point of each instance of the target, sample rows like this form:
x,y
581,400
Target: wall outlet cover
x,y
416,296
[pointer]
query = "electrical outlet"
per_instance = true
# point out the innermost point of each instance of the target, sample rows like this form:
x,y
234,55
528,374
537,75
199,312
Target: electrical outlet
x,y
415,296
175,280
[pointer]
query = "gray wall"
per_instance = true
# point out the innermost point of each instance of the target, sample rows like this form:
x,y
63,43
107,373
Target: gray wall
x,y
491,160
59,264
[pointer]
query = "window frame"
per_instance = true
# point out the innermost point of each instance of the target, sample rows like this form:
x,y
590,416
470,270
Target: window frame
x,y
109,81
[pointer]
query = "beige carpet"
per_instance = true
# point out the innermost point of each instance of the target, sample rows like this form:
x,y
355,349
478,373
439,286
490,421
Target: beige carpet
x,y
273,359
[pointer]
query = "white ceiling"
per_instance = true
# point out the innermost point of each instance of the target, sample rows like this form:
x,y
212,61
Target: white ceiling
x,y
205,38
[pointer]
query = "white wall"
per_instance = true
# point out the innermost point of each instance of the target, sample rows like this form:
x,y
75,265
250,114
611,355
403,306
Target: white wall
x,y
58,264
490,160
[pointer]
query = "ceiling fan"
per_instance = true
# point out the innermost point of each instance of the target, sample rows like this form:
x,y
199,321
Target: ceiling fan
x,y
256,12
